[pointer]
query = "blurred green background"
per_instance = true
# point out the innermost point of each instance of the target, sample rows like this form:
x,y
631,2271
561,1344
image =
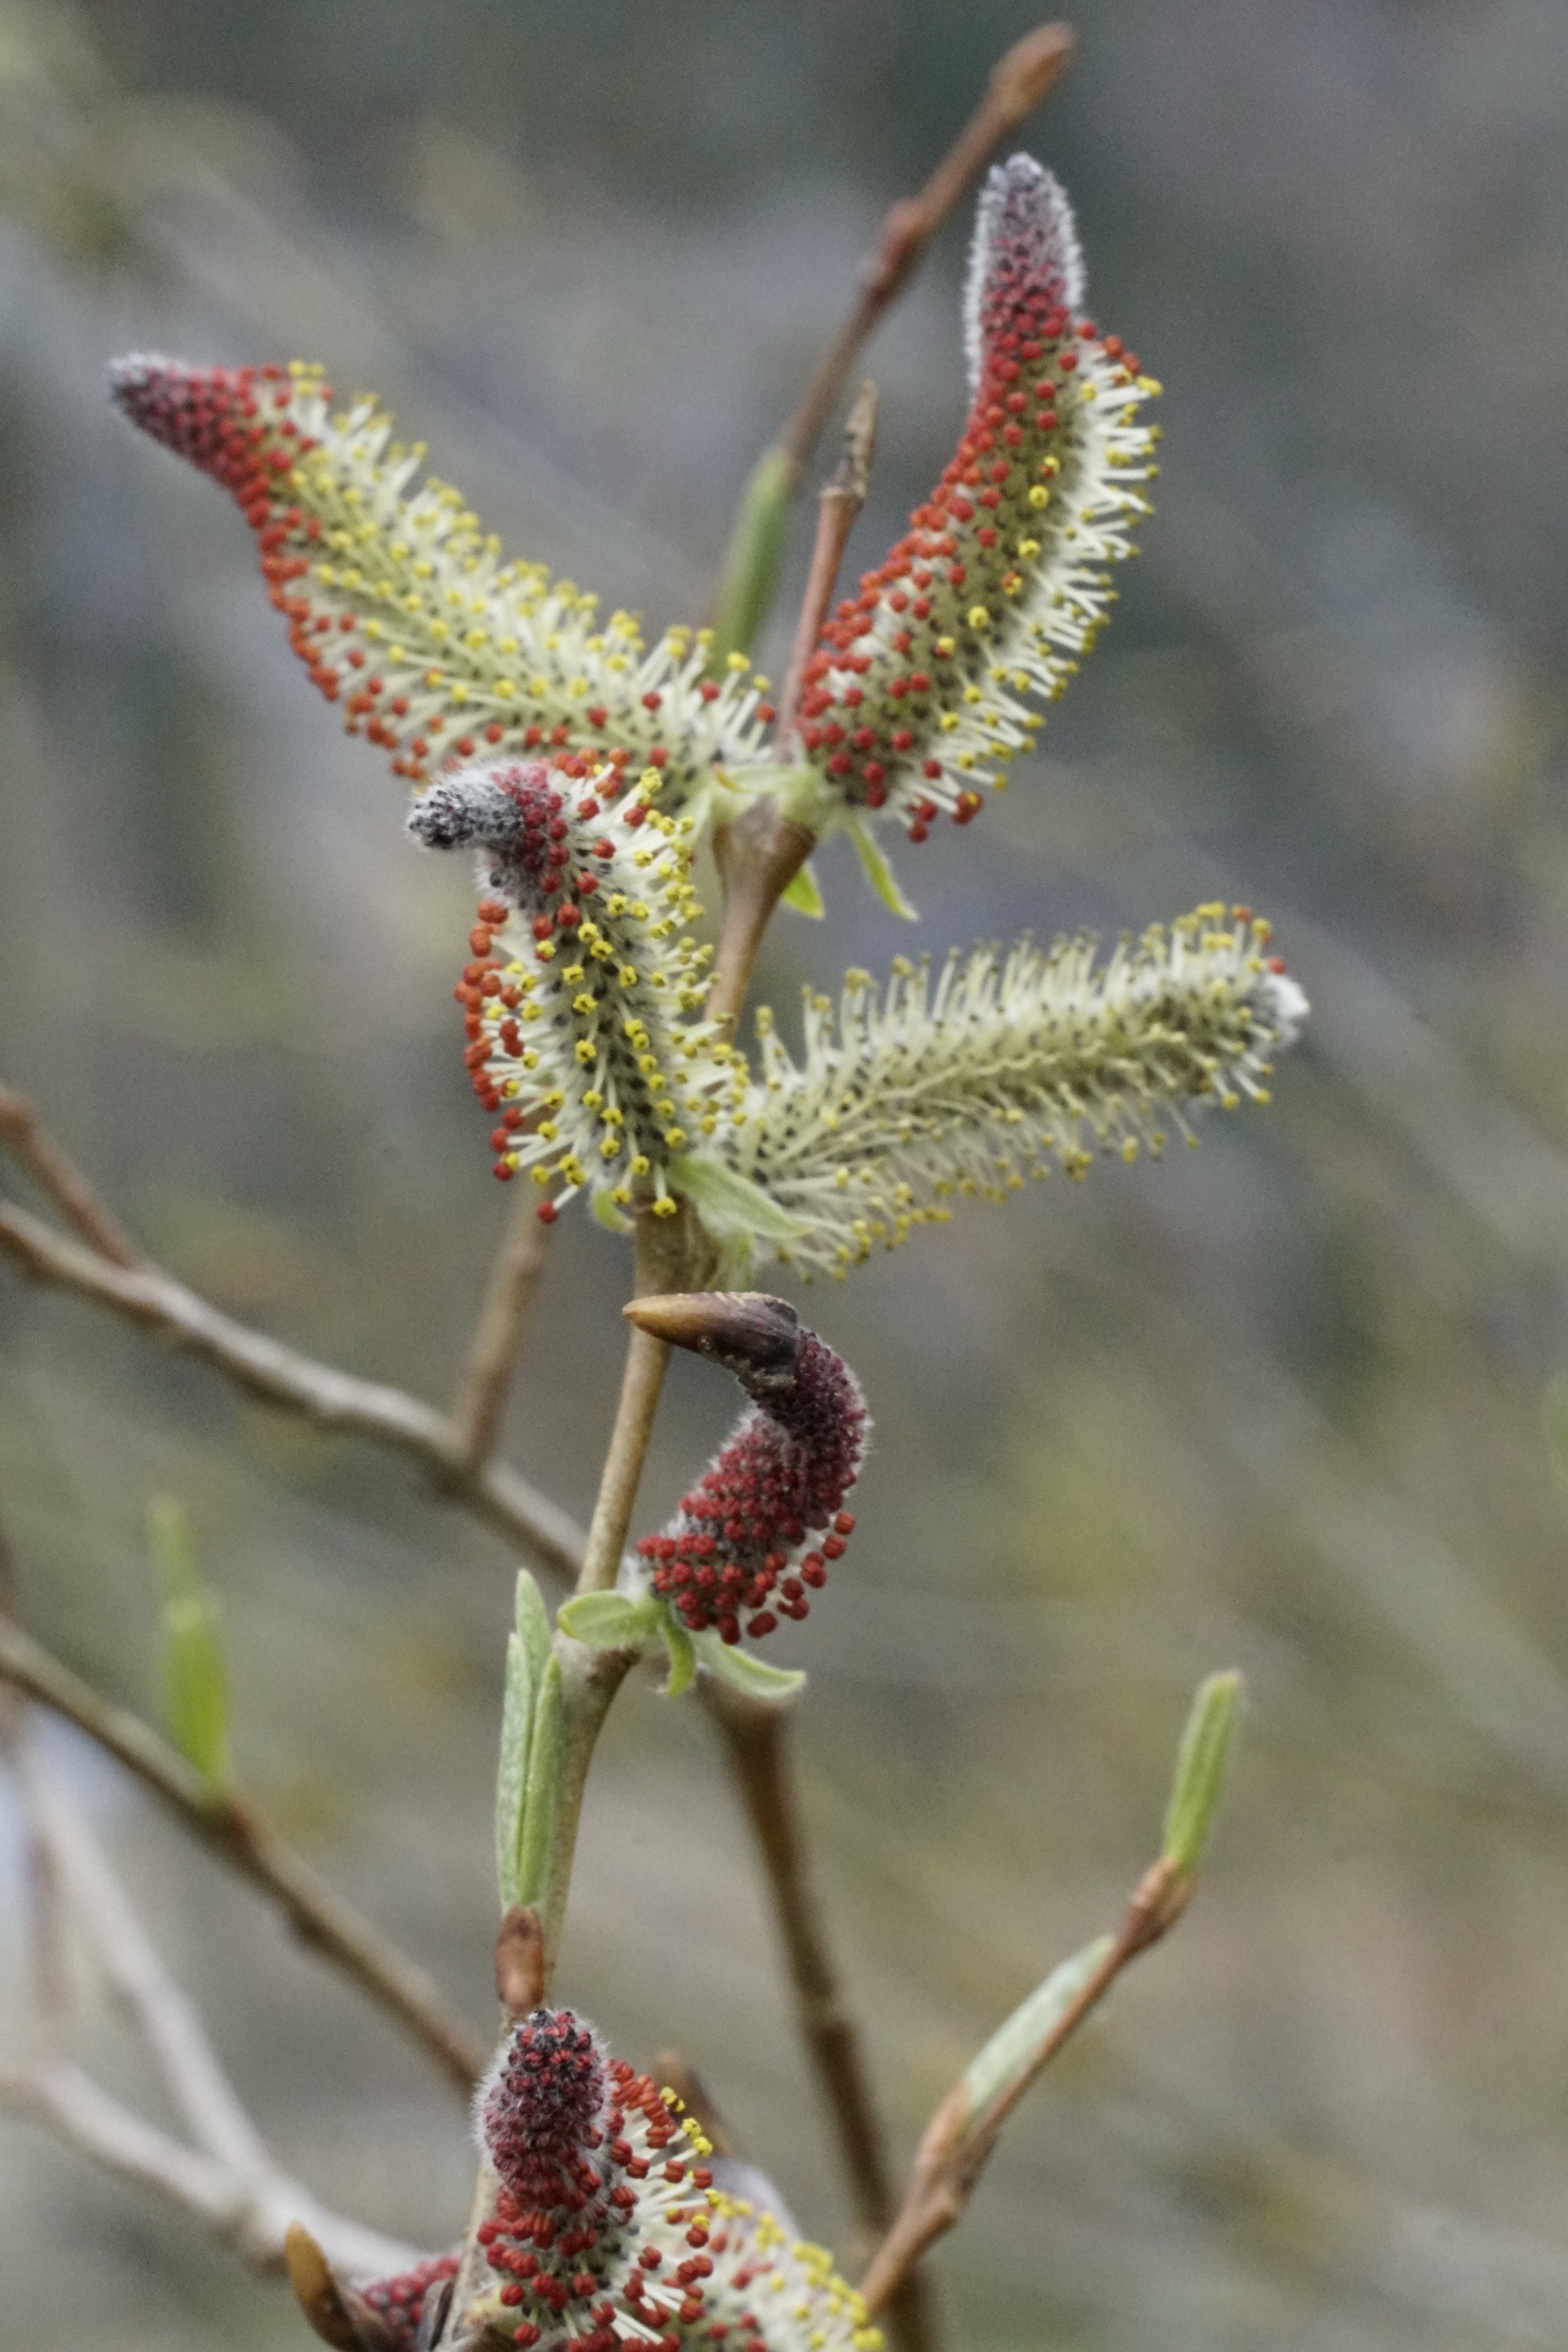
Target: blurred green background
x,y
1274,1403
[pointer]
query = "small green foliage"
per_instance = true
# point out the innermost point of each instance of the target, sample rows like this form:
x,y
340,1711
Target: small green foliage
x,y
1200,1769
193,1676
609,1620
1011,2055
542,1788
730,1203
741,1671
753,560
878,870
804,894
527,1660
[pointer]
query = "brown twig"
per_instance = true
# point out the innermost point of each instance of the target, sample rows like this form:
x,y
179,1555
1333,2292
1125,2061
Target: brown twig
x,y
248,1843
838,509
228,2178
1019,80
756,1737
670,1255
481,1396
956,2144
30,1143
145,1294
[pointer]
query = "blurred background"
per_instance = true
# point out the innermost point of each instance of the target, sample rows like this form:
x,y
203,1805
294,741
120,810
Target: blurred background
x,y
1276,1403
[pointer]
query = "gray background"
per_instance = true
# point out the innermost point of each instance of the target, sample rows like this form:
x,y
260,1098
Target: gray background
x,y
1276,1402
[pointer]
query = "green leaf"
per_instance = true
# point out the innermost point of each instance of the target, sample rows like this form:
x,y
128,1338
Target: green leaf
x,y
682,1656
1200,1769
532,1620
804,894
194,1674
511,1772
877,870
1012,2053
728,1200
542,1789
742,1671
606,1214
609,1620
753,558
527,1661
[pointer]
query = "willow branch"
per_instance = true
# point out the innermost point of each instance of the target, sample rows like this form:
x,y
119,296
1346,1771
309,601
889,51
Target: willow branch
x,y
1018,82
957,2143
247,1842
52,1169
229,2180
672,1253
267,1367
481,1396
756,1737
837,512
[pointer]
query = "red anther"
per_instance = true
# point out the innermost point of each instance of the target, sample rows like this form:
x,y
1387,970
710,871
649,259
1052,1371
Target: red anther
x,y
1276,963
542,926
568,918
511,2292
657,757
547,1213
813,1569
650,2258
932,768
597,714
920,831
903,740
864,738
652,701
843,1523
480,940
873,771
532,736
766,713
832,1547
763,1624
525,2333
875,796
840,764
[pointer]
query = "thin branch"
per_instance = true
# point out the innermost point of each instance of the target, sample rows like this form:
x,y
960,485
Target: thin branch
x,y
267,1367
253,2215
957,2143
32,1146
670,1255
229,2182
249,1845
758,856
481,1396
1018,82
756,1735
838,510
167,2020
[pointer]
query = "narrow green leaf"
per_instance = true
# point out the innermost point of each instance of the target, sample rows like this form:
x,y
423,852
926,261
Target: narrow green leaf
x,y
541,1793
729,1201
511,1772
606,1214
1200,1769
533,1626
877,870
192,1671
1013,2051
609,1620
753,558
682,1656
742,1671
804,894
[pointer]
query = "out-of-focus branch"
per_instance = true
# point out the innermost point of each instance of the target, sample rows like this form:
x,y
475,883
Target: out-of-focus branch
x,y
229,2180
31,1145
249,1845
263,1367
481,1400
961,2136
1018,82
837,507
